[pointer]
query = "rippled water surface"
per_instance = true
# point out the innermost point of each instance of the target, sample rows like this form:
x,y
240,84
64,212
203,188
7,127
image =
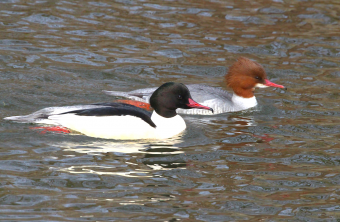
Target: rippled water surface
x,y
280,162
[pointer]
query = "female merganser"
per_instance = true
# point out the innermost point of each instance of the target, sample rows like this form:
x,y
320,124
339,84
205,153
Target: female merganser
x,y
243,77
123,121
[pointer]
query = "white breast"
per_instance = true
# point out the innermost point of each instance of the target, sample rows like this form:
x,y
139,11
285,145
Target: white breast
x,y
240,103
168,127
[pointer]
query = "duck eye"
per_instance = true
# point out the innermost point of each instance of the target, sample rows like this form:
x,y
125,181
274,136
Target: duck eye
x,y
257,77
180,97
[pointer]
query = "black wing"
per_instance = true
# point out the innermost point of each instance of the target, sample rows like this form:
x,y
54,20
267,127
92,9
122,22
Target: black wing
x,y
116,109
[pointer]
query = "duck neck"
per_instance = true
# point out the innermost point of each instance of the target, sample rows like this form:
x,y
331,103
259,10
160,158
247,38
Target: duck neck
x,y
242,103
166,113
167,127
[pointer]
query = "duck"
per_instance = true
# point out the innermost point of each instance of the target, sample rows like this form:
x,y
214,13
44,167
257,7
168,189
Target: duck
x,y
123,121
243,77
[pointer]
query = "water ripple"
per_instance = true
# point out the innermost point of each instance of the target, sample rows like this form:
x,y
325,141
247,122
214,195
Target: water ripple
x,y
277,162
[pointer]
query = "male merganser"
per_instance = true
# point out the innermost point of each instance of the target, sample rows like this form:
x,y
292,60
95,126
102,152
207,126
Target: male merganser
x,y
123,121
243,77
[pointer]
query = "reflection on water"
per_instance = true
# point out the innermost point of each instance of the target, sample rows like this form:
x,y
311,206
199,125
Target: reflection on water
x,y
97,148
149,149
278,162
101,170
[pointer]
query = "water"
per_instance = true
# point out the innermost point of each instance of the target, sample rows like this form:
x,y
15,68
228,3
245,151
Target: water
x,y
279,162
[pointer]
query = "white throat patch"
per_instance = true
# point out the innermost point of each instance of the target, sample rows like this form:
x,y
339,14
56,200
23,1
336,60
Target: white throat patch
x,y
259,85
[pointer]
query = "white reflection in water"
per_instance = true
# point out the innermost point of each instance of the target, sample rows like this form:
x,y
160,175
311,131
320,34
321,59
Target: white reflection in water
x,y
98,148
244,121
123,147
104,170
120,148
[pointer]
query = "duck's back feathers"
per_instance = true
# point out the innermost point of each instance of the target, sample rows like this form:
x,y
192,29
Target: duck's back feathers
x,y
97,109
141,95
115,109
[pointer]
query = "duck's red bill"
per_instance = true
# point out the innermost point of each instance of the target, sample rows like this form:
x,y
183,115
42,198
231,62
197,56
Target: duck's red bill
x,y
196,105
269,83
142,105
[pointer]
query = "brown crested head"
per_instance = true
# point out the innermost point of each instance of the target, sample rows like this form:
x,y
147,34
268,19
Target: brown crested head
x,y
244,75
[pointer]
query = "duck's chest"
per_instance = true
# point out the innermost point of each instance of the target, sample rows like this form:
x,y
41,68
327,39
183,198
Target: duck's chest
x,y
168,127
